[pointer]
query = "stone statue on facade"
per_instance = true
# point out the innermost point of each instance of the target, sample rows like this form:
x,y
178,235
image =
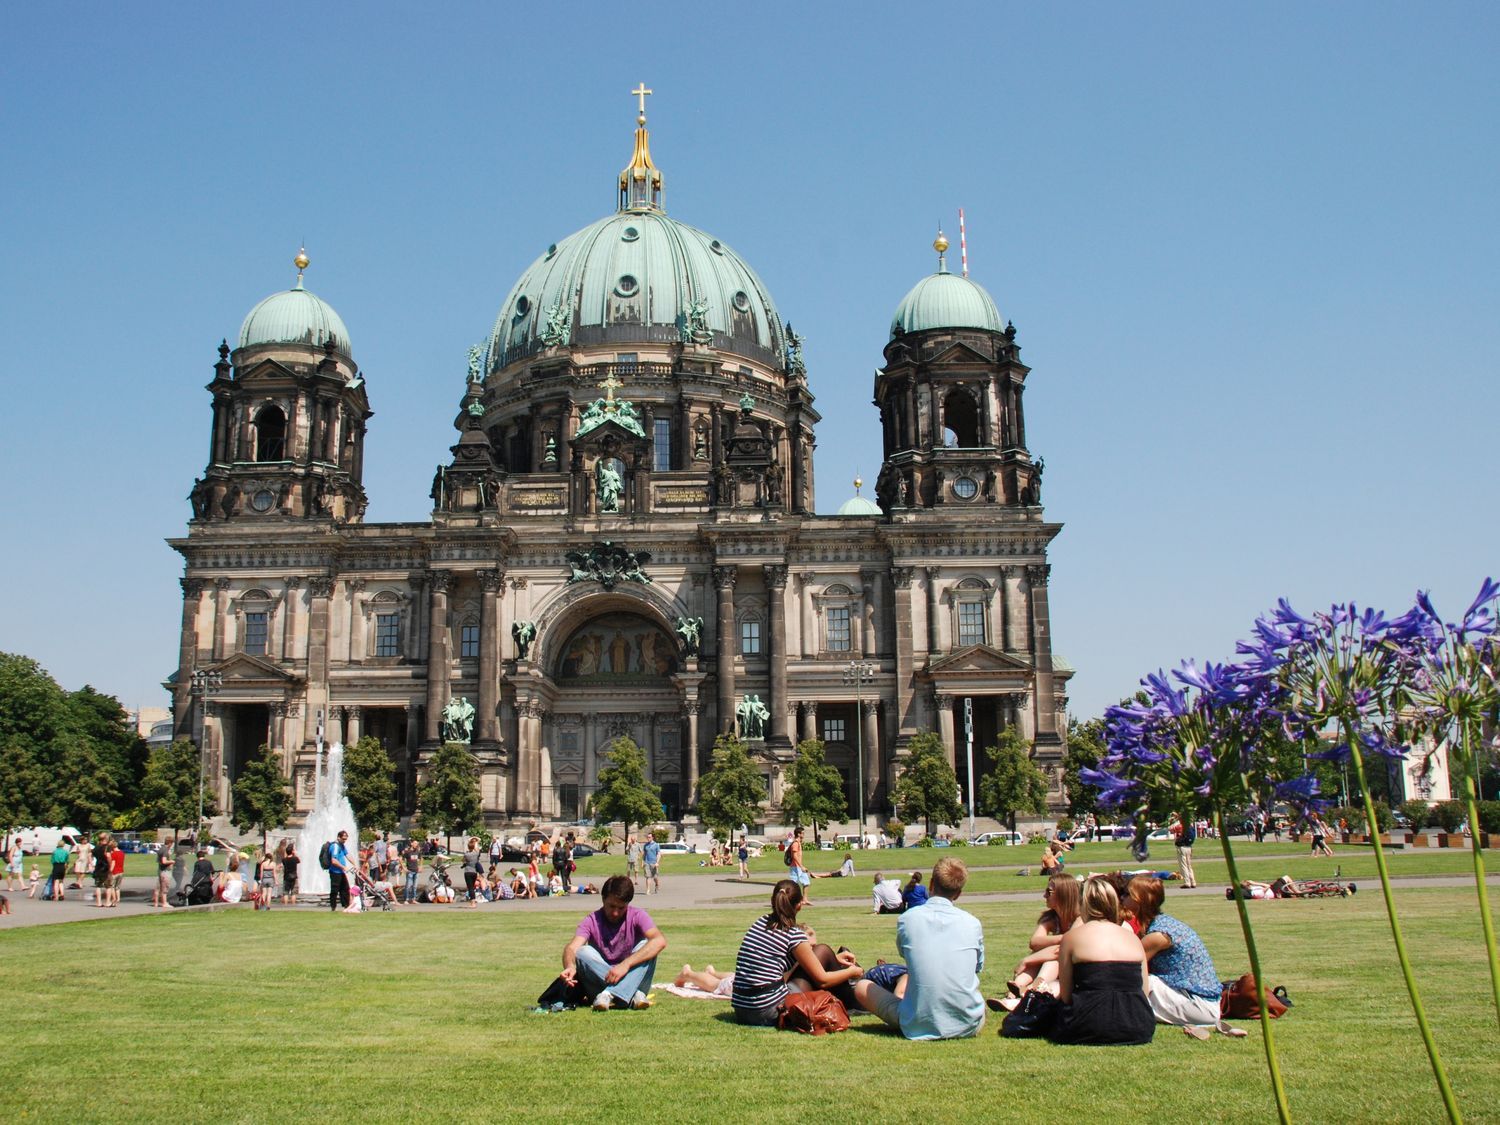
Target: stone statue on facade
x,y
795,366
523,632
555,326
690,629
458,720
476,364
752,715
609,486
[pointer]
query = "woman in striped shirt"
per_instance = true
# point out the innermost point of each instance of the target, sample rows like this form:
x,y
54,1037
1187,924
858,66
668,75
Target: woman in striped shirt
x,y
777,955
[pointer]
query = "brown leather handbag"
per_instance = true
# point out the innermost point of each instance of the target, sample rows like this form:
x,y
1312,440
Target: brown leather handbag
x,y
1238,1001
812,1013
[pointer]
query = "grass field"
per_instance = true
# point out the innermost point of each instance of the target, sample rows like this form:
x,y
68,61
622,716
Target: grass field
x,y
240,1016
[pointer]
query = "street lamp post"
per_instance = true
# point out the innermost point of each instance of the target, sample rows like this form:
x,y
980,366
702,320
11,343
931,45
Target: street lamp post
x,y
204,684
858,673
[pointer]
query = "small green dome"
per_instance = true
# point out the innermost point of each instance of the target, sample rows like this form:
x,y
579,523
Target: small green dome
x,y
295,316
859,506
945,300
637,277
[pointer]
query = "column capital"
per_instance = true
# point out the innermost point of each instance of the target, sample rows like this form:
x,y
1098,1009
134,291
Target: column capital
x,y
775,576
293,582
356,585
439,580
901,576
191,587
1038,573
725,577
221,584
320,585
810,708
932,572
869,707
517,583
491,580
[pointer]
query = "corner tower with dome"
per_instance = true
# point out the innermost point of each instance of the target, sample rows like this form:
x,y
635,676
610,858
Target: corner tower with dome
x,y
623,540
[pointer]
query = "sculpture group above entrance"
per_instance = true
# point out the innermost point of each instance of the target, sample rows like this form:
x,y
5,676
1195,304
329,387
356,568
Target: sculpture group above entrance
x,y
616,646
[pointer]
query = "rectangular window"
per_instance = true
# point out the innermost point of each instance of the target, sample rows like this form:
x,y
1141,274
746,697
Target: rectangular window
x,y
838,628
626,362
387,634
661,445
749,638
468,641
567,800
971,623
255,633
833,730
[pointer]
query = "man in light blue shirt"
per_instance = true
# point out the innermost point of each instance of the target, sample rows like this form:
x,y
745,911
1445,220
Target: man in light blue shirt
x,y
944,951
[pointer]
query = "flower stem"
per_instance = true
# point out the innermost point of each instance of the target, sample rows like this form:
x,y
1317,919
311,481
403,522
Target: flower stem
x,y
1277,1088
1373,826
1471,766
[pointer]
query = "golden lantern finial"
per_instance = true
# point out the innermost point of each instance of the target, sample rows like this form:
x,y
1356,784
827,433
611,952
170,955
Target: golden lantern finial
x,y
640,182
858,483
940,244
301,261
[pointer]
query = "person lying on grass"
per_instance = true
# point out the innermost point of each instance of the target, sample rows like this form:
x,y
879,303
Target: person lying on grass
x,y
614,950
944,951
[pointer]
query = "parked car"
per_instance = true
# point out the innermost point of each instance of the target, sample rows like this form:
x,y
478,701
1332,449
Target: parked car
x,y
676,846
1008,838
42,838
583,851
1161,833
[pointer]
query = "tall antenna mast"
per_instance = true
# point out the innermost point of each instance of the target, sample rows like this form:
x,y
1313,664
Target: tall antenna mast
x,y
963,244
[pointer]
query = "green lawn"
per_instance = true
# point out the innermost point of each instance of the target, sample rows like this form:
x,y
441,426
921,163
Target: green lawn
x,y
285,1015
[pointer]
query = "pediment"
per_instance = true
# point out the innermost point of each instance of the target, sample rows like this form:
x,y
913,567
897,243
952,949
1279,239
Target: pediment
x,y
266,370
959,353
978,660
610,433
243,669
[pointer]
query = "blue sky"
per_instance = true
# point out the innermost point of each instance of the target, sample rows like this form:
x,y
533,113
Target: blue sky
x,y
1250,251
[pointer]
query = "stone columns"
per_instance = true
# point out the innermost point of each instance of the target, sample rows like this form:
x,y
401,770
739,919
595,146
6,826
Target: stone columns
x,y
221,618
356,622
1041,653
776,652
809,720
319,590
724,580
906,719
870,716
690,711
187,659
933,642
353,724
437,652
292,600
868,588
809,631
529,765
490,584
942,706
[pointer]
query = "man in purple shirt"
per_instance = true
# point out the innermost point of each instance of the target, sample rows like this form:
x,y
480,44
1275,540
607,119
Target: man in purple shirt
x,y
613,952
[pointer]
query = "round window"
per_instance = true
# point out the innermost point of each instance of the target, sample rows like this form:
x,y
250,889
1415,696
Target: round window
x,y
523,305
742,301
716,246
263,500
965,488
627,286
551,250
629,234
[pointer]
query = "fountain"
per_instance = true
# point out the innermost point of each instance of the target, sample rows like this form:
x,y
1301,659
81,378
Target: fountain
x,y
331,812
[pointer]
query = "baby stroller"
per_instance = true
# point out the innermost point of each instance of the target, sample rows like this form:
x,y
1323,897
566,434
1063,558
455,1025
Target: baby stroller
x,y
370,894
198,892
438,877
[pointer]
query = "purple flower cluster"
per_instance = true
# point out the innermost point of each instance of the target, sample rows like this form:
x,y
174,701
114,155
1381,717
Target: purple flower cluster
x,y
1303,689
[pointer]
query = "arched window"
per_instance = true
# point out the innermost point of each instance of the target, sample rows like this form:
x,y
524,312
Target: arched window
x,y
270,434
960,420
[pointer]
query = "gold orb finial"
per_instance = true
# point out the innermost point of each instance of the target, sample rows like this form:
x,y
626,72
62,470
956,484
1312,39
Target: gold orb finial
x,y
940,243
858,483
302,261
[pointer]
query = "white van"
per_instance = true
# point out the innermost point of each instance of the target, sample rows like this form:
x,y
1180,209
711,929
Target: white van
x,y
40,839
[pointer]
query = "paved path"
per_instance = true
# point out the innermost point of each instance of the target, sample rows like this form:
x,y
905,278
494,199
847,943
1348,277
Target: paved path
x,y
682,891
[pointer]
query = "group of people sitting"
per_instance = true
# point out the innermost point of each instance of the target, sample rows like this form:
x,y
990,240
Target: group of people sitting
x,y
1109,963
890,896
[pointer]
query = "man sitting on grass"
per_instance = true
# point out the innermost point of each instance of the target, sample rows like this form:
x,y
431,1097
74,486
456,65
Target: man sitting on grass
x,y
613,952
944,951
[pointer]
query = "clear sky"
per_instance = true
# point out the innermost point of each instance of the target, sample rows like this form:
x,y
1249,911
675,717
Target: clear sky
x,y
1250,250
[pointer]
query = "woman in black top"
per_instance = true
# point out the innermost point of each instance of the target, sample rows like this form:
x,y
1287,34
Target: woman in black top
x,y
290,861
471,870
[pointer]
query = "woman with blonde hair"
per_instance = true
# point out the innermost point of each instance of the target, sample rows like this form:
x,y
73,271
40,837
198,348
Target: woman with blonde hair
x,y
1102,978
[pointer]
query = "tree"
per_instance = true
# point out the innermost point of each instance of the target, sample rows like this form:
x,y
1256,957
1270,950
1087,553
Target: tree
x,y
730,791
814,790
169,791
601,837
927,789
83,791
1085,749
449,798
122,750
624,794
370,784
262,797
1013,783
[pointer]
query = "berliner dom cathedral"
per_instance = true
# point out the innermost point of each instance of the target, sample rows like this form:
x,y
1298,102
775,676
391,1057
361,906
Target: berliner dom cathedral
x,y
623,539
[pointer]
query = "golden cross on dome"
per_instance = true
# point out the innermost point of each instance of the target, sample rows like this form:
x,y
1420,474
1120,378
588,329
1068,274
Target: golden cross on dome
x,y
609,383
642,93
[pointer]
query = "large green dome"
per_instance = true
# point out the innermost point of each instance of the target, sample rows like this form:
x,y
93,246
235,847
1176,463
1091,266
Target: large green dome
x,y
295,316
637,277
945,300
